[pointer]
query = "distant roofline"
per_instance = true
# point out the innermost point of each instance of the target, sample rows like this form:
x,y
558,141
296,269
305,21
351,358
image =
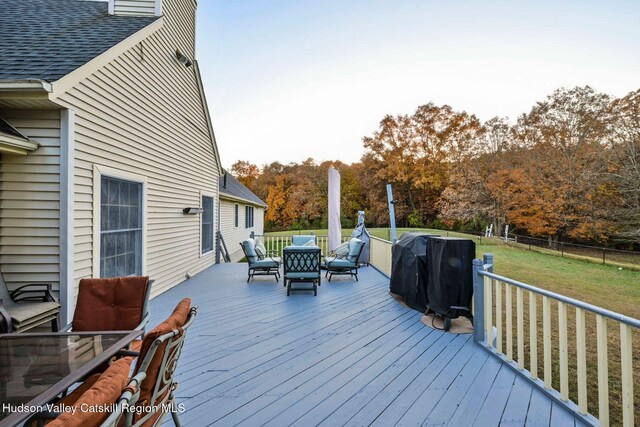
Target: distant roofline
x,y
233,198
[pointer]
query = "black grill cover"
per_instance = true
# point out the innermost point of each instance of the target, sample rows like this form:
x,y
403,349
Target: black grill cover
x,y
409,269
450,271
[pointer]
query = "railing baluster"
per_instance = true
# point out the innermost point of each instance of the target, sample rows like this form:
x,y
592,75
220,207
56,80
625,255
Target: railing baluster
x,y
520,326
498,316
488,311
564,350
626,358
581,355
533,335
603,371
546,329
509,313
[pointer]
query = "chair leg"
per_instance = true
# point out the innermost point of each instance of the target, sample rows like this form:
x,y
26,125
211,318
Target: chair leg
x,y
176,420
174,409
54,325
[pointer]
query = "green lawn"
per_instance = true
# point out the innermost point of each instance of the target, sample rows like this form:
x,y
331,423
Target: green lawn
x,y
602,285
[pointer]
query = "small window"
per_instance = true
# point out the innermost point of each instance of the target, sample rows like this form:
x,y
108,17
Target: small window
x,y
248,220
120,228
237,216
207,224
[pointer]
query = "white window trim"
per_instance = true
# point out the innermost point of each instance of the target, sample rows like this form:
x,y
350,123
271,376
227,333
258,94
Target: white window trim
x,y
212,251
98,173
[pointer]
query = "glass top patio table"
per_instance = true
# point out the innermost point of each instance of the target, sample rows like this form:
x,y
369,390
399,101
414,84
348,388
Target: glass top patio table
x,y
36,367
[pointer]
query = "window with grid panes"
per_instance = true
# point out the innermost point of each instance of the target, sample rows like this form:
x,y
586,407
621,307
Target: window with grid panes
x,y
120,228
207,224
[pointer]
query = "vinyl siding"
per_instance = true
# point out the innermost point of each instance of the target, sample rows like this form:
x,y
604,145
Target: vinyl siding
x,y
142,114
134,7
30,202
234,235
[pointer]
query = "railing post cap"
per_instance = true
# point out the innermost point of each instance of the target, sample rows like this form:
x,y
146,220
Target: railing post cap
x,y
478,262
489,255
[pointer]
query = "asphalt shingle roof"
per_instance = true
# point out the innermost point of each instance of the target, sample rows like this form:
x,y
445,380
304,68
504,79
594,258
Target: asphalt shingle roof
x,y
237,189
47,39
7,129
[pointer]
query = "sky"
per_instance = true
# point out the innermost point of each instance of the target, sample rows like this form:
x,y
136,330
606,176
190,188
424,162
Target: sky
x,y
289,80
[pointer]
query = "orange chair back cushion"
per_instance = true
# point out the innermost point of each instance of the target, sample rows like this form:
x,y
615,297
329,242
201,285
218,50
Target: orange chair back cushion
x,y
114,304
176,321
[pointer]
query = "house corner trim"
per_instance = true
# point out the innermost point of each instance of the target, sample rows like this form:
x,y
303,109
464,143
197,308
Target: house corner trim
x,y
67,225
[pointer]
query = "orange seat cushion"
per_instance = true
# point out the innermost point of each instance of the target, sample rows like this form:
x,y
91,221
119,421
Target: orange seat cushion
x,y
114,304
106,390
176,321
135,345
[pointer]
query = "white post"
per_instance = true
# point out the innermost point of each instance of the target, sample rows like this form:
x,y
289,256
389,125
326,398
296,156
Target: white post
x,y
392,214
506,232
335,228
67,231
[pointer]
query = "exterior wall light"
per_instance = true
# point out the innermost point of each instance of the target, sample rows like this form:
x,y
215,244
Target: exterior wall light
x,y
183,59
192,211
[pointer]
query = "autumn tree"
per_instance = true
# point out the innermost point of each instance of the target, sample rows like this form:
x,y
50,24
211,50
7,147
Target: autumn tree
x,y
472,197
566,137
246,172
624,164
414,154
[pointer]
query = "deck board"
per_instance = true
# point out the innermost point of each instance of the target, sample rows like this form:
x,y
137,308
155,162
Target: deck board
x,y
350,356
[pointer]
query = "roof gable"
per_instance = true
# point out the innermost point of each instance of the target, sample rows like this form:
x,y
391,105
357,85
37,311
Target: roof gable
x,y
48,39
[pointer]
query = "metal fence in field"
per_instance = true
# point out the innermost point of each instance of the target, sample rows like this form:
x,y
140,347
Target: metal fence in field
x,y
606,255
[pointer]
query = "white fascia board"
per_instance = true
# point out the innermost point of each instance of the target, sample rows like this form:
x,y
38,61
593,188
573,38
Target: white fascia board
x,y
17,142
25,86
226,196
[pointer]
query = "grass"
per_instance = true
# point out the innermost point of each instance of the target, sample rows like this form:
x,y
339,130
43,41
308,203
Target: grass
x,y
605,286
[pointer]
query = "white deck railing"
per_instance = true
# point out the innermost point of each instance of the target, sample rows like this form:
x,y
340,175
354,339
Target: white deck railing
x,y
276,244
495,329
380,255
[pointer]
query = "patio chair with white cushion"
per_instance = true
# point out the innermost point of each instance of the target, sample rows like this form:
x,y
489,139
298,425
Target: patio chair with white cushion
x,y
343,264
260,262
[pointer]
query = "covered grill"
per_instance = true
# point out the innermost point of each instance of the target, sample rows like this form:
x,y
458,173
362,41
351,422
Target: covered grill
x,y
450,272
409,269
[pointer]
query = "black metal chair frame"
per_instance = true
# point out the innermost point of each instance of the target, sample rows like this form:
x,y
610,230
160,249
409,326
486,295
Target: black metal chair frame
x,y
258,270
304,261
352,271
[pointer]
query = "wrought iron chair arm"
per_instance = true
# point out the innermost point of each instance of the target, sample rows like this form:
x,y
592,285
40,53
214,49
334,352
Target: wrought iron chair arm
x,y
34,292
125,353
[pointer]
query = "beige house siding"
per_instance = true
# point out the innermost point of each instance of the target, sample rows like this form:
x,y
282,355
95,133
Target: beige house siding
x,y
30,201
234,235
134,7
142,115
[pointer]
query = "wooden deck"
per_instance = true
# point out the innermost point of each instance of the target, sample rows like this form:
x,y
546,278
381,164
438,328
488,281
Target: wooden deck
x,y
350,356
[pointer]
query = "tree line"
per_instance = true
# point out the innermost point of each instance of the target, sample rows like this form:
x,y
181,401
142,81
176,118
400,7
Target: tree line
x,y
569,169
